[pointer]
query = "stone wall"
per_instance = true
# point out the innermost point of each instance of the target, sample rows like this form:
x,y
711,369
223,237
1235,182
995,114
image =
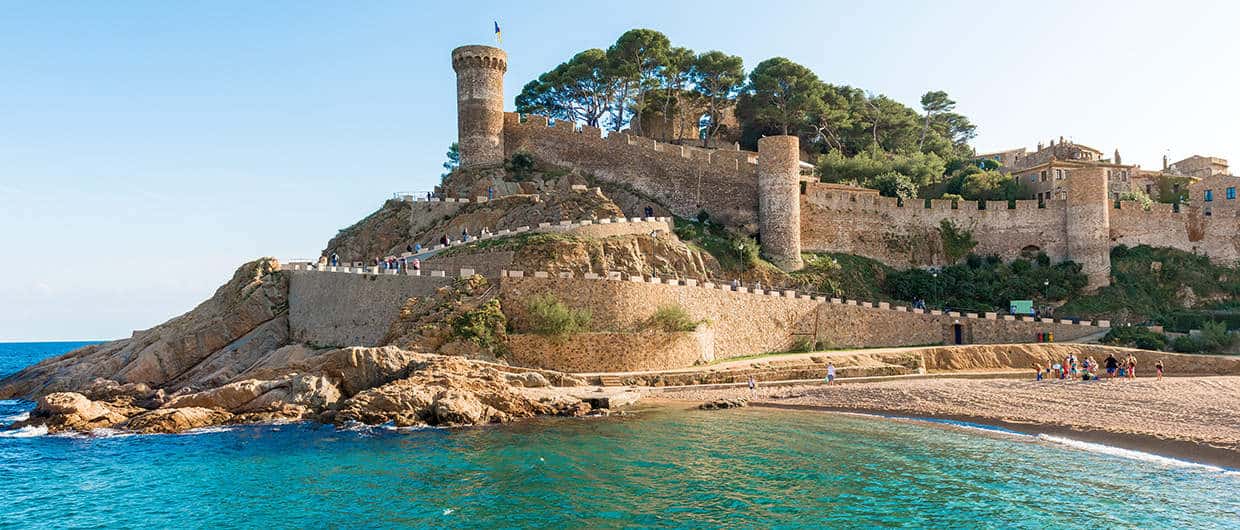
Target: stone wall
x,y
685,179
610,352
748,323
907,234
350,309
903,235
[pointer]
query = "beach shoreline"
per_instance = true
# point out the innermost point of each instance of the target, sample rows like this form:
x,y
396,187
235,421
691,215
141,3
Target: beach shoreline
x,y
1191,432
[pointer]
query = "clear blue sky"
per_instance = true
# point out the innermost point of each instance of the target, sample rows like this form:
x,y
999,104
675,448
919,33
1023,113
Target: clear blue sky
x,y
148,148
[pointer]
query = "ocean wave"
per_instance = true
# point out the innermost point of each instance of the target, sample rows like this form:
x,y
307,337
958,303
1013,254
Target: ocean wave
x,y
9,402
25,432
206,430
15,418
1134,455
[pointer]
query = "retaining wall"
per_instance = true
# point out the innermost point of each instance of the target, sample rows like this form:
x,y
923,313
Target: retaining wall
x,y
610,352
350,309
748,323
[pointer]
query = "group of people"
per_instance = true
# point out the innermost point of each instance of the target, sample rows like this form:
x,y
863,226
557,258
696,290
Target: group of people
x,y
1087,370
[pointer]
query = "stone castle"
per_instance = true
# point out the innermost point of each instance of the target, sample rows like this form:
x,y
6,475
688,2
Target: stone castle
x,y
1078,216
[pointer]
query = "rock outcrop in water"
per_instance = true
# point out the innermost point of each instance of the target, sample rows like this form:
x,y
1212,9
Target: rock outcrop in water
x,y
230,360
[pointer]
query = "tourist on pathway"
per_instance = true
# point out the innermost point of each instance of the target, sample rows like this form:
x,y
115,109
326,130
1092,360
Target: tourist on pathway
x,y
409,249
830,373
417,264
753,386
335,259
464,234
417,248
490,193
736,284
445,240
1112,364
1158,368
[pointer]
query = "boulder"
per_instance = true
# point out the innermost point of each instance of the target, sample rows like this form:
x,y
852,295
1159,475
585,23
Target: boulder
x,y
71,411
174,420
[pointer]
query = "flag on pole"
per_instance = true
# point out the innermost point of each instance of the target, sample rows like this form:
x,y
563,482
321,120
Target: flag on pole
x,y
499,37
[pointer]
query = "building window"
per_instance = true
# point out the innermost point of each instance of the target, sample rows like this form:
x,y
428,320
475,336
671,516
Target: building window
x,y
1033,178
1209,195
1109,173
1124,175
1149,189
1058,174
1043,175
1231,193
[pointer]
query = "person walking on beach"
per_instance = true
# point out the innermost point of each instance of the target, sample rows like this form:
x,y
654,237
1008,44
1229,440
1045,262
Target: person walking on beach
x,y
1132,366
1158,368
753,386
1037,370
1112,364
830,373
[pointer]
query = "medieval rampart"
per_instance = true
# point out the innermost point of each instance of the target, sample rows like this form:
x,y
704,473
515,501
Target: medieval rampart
x,y
907,234
752,322
684,179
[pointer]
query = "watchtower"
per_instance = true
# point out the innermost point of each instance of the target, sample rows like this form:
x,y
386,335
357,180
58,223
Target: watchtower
x,y
1087,220
480,104
779,200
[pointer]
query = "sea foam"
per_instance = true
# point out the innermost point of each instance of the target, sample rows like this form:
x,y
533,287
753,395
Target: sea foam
x,y
1135,455
25,432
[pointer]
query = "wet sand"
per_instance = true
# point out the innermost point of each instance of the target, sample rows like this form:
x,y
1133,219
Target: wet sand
x,y
1193,418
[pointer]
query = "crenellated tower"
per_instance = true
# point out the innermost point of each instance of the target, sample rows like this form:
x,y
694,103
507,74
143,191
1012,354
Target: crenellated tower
x,y
779,200
1087,220
480,104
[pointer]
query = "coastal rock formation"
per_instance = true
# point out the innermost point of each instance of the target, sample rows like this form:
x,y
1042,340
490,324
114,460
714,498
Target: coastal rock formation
x,y
451,391
71,411
175,420
229,323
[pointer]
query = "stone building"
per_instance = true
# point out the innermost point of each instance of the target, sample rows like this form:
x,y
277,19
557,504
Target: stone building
x,y
1198,166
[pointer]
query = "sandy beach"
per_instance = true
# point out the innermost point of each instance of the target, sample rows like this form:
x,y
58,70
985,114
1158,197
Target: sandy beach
x,y
1195,418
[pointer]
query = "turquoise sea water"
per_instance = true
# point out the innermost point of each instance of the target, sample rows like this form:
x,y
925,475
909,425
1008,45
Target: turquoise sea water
x,y
739,468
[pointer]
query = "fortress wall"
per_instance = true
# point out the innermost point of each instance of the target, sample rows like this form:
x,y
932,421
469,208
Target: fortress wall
x,y
747,323
875,227
345,309
685,179
610,352
1216,235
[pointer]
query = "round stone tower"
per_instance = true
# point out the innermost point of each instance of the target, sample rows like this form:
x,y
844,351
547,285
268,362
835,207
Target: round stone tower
x,y
480,104
1087,220
779,200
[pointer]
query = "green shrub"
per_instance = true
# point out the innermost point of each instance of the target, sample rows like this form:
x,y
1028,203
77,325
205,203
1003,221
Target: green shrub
x,y
802,345
521,165
549,316
1136,337
483,326
956,242
672,318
